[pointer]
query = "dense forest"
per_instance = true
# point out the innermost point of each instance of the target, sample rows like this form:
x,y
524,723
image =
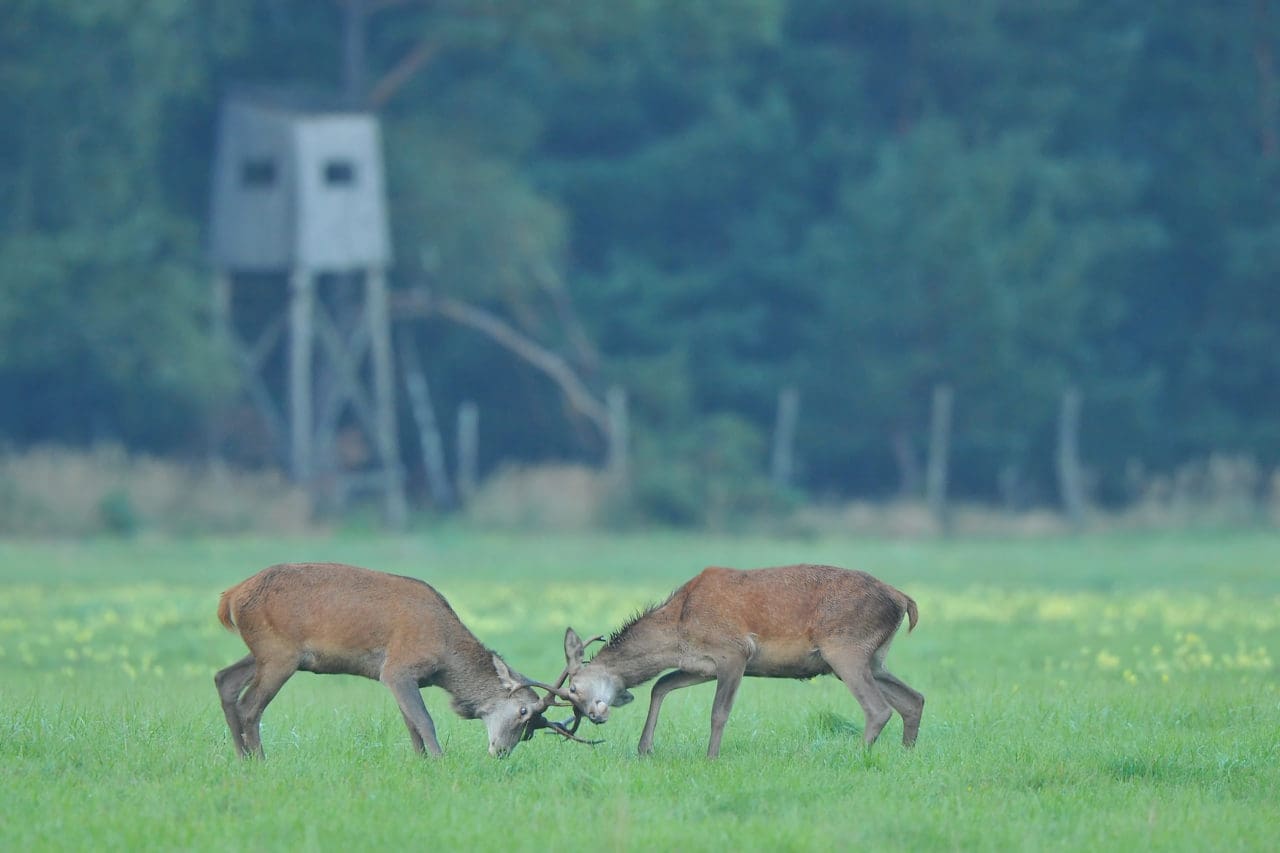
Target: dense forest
x,y
703,203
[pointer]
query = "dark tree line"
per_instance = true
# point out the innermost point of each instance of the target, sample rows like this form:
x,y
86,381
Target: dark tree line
x,y
704,203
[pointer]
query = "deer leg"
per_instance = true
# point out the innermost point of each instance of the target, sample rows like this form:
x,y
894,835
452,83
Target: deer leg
x,y
852,665
726,689
908,702
230,682
421,728
265,684
663,686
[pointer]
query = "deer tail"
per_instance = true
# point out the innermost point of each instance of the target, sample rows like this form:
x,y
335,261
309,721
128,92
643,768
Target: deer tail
x,y
224,610
912,615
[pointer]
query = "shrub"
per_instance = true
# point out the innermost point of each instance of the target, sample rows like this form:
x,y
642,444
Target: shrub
x,y
118,513
557,497
711,475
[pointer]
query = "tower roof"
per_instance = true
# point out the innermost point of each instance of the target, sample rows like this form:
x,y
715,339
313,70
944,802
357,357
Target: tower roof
x,y
298,182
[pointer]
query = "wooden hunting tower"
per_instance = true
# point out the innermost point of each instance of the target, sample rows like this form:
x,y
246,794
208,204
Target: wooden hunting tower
x,y
300,244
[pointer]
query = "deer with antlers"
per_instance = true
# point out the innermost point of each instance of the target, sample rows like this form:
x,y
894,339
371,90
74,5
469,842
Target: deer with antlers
x,y
333,618
787,622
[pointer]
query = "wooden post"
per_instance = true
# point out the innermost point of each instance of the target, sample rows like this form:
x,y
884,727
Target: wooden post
x,y
301,307
222,305
782,467
424,415
251,357
222,335
939,449
619,428
468,450
1070,478
384,396
353,63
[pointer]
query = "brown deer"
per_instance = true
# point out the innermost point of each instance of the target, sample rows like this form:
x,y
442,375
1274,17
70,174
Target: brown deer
x,y
332,618
788,622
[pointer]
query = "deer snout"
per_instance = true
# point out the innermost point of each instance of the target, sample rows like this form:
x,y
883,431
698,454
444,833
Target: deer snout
x,y
598,711
499,751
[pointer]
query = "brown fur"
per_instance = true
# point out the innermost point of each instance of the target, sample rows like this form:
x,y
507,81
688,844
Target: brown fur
x,y
787,622
333,618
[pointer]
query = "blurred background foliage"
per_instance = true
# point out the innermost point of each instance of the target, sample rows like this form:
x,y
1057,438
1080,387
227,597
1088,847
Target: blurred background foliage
x,y
704,203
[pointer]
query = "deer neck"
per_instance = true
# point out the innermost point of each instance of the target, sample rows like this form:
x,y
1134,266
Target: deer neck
x,y
645,649
470,678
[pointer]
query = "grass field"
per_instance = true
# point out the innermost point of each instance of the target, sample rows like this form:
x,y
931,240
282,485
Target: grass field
x,y
1092,693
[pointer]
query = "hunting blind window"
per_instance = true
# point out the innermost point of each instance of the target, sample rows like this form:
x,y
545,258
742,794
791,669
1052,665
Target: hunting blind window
x,y
258,172
339,173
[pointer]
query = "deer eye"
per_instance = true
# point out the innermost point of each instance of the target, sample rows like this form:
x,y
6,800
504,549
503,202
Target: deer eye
x,y
573,689
524,711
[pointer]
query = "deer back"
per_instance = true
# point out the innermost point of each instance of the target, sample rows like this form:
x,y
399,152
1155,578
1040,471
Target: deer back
x,y
339,618
800,604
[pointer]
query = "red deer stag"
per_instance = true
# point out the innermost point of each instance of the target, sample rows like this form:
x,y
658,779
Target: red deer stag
x,y
788,622
331,618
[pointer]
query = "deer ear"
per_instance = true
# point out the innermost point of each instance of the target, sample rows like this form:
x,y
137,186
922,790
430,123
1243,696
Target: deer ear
x,y
510,681
623,697
573,650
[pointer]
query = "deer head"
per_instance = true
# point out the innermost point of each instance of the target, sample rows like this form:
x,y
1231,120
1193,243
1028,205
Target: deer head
x,y
592,689
514,716
528,718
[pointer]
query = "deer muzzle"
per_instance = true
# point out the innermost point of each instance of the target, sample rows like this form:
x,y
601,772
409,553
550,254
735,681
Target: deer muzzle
x,y
598,712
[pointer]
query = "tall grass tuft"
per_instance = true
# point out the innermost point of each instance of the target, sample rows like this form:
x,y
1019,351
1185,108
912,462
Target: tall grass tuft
x,y
1219,490
57,491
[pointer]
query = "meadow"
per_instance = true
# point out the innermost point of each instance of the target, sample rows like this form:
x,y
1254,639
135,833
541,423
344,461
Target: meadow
x,y
1098,692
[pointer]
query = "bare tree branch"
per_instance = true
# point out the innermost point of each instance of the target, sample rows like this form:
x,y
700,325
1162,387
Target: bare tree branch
x,y
553,286
420,302
408,66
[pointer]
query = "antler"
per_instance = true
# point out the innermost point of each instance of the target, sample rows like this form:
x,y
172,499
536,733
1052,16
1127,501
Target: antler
x,y
540,722
557,691
536,720
553,692
560,729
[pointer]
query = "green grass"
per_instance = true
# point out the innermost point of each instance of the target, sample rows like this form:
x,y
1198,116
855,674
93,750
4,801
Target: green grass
x,y
1103,692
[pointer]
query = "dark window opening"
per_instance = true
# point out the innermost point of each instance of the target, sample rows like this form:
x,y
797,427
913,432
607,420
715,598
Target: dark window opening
x,y
339,173
258,172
